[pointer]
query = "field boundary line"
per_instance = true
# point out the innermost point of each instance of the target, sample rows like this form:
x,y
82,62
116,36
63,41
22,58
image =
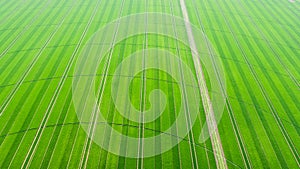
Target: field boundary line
x,y
215,137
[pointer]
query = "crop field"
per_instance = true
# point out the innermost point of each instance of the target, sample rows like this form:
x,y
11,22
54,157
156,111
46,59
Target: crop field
x,y
149,84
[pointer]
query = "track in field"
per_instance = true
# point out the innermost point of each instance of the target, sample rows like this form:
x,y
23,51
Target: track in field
x,y
258,43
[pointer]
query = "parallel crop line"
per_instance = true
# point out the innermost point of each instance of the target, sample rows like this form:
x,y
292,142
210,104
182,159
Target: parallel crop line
x,y
236,129
238,93
271,138
284,104
15,61
277,91
193,150
283,9
62,115
173,88
95,113
140,160
48,153
270,105
77,129
19,83
26,123
23,31
170,91
37,138
270,46
132,61
13,92
12,11
291,94
111,118
215,137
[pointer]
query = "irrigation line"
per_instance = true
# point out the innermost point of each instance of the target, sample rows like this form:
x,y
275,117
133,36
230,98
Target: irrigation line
x,y
155,79
37,138
266,97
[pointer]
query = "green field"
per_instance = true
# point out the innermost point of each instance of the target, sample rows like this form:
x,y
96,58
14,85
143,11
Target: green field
x,y
257,43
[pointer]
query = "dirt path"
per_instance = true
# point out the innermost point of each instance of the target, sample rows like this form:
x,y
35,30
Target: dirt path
x,y
210,118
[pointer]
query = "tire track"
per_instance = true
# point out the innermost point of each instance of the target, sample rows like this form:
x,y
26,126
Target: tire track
x,y
215,137
29,117
99,94
39,133
75,131
140,160
292,77
263,91
24,30
234,123
193,152
173,109
12,118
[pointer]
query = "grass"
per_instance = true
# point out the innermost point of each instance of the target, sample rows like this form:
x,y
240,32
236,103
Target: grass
x,y
257,42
